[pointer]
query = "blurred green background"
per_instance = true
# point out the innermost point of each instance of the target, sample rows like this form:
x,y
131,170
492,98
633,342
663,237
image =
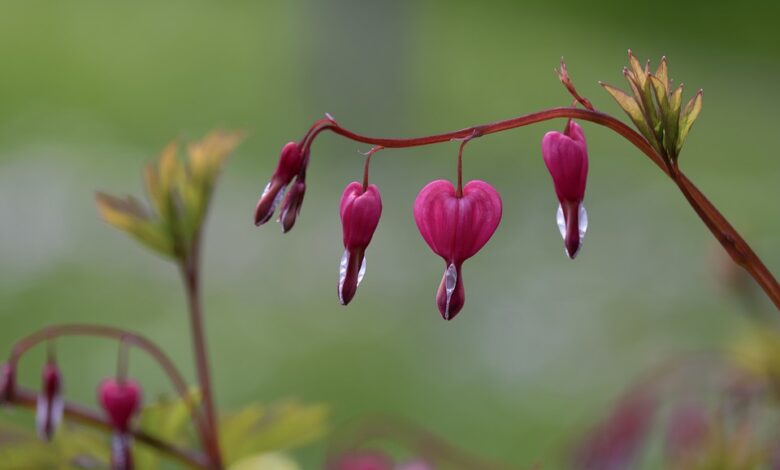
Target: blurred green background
x,y
92,90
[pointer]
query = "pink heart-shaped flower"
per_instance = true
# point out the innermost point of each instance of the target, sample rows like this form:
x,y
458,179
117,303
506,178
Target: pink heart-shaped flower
x,y
120,400
456,228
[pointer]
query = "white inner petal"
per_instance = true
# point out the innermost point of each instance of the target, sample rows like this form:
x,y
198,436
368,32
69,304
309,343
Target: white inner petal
x,y
343,272
450,281
582,219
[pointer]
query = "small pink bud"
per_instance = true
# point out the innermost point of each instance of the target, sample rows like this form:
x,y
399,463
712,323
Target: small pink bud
x,y
7,382
120,400
360,211
363,460
50,406
566,157
456,228
291,205
291,163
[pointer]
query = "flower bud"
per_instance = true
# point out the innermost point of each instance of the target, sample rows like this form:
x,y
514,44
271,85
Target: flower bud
x,y
456,228
360,210
291,162
291,205
566,157
50,406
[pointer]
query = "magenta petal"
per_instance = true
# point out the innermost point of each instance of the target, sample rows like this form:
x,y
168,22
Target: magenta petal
x,y
456,228
566,158
360,210
121,400
50,405
291,163
291,205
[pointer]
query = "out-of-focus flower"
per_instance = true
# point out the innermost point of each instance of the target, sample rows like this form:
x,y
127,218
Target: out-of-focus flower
x,y
292,162
566,157
360,210
687,432
615,443
50,406
456,228
121,400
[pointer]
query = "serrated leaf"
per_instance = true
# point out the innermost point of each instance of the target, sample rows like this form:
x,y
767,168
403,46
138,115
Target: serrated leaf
x,y
258,429
688,117
127,214
632,108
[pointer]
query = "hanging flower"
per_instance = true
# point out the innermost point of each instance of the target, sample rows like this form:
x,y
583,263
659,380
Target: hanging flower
x,y
456,228
121,400
50,406
566,157
292,162
360,210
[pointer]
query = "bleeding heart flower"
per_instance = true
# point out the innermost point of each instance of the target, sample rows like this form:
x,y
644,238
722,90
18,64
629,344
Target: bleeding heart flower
x,y
566,157
50,406
456,228
292,162
360,210
291,205
121,400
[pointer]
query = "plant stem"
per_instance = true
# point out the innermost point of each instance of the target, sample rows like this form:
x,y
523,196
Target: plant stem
x,y
190,270
52,332
28,399
723,231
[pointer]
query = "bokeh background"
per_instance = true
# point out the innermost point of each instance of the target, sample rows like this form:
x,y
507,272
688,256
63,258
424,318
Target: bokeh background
x,y
92,90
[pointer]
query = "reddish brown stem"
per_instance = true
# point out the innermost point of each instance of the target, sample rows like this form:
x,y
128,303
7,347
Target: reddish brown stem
x,y
190,271
49,333
28,399
731,240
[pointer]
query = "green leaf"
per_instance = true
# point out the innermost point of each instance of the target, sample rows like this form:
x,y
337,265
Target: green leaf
x,y
73,447
688,117
167,419
266,461
662,73
634,111
258,429
130,216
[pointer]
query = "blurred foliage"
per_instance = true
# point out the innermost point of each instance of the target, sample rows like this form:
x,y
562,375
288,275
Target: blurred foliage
x,y
254,438
179,194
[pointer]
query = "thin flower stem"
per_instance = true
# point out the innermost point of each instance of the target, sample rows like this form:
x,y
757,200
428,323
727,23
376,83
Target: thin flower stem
x,y
723,231
190,271
49,333
28,398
